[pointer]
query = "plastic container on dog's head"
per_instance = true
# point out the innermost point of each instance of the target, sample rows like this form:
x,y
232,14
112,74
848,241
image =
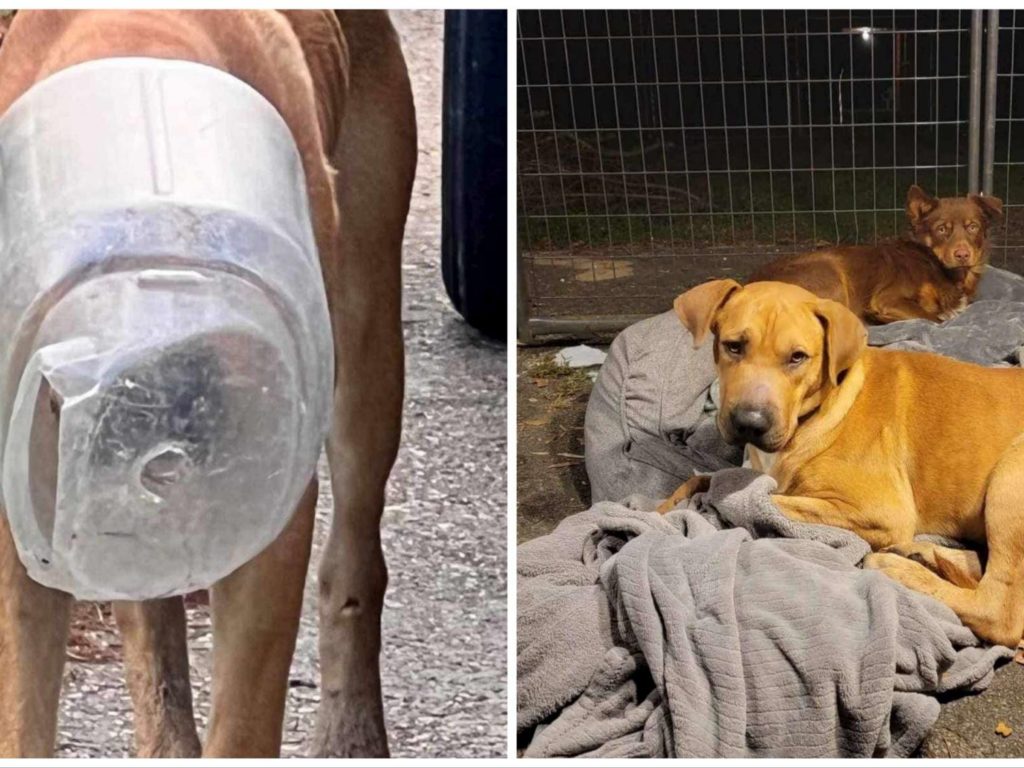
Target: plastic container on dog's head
x,y
165,345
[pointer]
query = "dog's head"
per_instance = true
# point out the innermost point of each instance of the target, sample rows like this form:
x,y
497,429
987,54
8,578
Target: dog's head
x,y
954,228
778,349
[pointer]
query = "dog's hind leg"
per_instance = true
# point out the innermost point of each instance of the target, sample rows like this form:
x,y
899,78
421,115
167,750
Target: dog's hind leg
x,y
891,310
995,609
376,159
33,638
256,611
157,673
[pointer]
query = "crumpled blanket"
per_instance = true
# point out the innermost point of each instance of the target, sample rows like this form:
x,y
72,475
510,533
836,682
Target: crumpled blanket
x,y
726,630
986,333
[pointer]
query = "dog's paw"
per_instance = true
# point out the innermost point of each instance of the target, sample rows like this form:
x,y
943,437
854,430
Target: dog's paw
x,y
913,551
696,484
350,731
955,311
904,570
959,566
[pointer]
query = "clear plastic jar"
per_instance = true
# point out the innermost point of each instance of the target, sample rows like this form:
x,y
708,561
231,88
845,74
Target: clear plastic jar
x,y
164,336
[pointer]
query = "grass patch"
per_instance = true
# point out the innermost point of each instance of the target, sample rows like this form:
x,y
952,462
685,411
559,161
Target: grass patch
x,y
564,382
738,208
696,210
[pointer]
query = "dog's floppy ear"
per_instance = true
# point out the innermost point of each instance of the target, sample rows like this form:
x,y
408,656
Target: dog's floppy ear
x,y
919,204
697,307
991,208
845,337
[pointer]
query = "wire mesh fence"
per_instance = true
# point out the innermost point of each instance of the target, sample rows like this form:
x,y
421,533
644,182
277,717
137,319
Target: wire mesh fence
x,y
659,148
1005,153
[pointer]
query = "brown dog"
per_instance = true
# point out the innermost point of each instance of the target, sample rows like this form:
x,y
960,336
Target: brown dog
x,y
340,83
859,438
932,275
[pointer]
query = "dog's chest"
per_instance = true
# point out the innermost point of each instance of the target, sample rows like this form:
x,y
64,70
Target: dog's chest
x,y
760,460
952,312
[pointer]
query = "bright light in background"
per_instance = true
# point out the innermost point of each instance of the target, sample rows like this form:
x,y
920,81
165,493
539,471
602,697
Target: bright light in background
x,y
867,34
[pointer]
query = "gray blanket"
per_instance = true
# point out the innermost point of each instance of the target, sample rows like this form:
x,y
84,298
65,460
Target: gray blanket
x,y
726,630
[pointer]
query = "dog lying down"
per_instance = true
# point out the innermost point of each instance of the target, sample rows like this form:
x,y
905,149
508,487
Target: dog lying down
x,y
932,274
858,438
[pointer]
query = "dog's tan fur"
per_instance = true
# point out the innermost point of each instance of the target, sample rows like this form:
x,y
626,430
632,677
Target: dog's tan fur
x,y
339,81
888,444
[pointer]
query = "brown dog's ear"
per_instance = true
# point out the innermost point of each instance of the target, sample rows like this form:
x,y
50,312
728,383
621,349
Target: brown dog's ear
x,y
991,208
919,204
845,337
697,307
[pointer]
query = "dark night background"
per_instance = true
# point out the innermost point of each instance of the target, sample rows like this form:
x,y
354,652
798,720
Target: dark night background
x,y
703,128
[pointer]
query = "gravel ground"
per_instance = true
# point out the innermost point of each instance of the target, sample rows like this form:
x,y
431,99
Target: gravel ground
x,y
444,659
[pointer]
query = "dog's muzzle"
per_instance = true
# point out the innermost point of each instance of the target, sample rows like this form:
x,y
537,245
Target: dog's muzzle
x,y
165,346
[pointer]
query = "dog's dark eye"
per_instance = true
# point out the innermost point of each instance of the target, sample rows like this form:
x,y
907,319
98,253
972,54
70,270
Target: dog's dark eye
x,y
733,347
797,357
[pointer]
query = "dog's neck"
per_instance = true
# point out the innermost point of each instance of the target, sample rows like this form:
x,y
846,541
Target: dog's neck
x,y
813,403
820,416
967,278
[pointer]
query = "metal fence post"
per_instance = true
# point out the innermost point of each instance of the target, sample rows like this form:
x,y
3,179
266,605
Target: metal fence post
x,y
991,70
974,118
523,331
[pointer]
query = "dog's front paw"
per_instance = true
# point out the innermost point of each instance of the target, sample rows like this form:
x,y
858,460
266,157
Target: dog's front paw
x,y
696,484
961,567
349,728
949,314
907,572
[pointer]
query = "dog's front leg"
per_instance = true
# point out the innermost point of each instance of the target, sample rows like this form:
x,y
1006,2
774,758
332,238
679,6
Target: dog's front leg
x,y
893,310
353,578
33,635
879,530
157,673
696,484
376,161
353,575
361,449
256,612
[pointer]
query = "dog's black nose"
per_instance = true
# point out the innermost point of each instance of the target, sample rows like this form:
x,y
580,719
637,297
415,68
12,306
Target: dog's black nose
x,y
750,423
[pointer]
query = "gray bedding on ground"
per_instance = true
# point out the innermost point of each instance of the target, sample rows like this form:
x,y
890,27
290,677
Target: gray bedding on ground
x,y
728,630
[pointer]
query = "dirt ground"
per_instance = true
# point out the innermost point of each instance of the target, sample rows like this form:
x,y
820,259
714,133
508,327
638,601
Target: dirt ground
x,y
642,280
444,530
551,478
552,484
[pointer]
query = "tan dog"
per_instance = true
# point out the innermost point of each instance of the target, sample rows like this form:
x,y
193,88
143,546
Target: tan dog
x,y
887,444
341,85
931,275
